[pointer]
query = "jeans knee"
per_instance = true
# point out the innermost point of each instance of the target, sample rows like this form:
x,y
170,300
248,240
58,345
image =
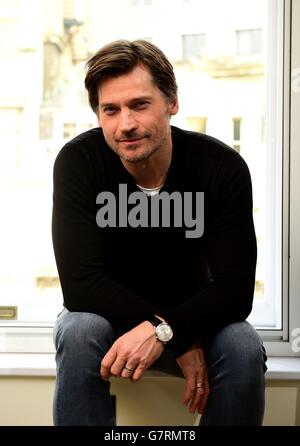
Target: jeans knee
x,y
78,333
239,346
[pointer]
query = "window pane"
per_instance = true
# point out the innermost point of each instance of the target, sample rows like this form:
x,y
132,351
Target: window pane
x,y
197,124
237,129
249,41
141,2
192,46
224,95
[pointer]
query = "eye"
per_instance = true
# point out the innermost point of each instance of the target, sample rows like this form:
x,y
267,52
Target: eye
x,y
109,110
141,105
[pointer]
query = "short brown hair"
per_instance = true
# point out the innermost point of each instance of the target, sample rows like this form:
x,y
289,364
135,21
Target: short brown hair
x,y
121,57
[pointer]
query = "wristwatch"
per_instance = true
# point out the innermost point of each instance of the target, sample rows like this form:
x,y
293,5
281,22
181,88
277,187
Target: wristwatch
x,y
163,331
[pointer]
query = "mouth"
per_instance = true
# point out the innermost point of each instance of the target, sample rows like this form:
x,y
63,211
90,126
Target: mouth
x,y
131,140
131,143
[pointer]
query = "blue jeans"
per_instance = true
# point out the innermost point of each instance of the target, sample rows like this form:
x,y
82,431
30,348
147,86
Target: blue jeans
x,y
235,359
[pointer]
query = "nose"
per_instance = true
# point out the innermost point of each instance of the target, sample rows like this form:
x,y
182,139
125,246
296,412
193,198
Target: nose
x,y
128,122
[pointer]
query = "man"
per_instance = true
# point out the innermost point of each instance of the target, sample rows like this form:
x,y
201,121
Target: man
x,y
141,288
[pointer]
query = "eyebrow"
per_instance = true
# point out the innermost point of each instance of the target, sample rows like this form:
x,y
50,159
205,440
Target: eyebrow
x,y
132,101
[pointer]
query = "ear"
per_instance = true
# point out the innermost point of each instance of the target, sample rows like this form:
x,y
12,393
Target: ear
x,y
174,106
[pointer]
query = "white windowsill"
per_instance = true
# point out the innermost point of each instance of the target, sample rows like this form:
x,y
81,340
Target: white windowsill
x,y
27,364
43,364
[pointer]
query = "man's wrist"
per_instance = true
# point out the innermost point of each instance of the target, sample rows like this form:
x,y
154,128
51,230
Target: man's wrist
x,y
163,331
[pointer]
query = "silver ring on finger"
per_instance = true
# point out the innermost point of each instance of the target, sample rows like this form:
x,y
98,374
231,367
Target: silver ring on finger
x,y
129,369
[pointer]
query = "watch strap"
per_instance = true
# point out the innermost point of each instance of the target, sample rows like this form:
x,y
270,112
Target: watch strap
x,y
155,321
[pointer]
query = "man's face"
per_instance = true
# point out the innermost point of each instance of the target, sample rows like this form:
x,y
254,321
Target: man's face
x,y
134,115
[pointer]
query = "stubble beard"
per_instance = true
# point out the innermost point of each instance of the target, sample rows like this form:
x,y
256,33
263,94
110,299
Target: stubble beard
x,y
146,154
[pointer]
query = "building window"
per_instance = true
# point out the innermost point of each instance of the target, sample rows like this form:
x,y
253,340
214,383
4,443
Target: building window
x,y
193,46
248,42
196,124
141,2
69,130
46,125
236,122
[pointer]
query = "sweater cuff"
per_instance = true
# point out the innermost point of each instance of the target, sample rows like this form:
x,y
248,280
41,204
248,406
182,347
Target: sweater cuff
x,y
178,348
182,338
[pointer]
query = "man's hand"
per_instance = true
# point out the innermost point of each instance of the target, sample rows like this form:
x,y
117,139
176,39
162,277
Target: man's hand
x,y
132,353
193,366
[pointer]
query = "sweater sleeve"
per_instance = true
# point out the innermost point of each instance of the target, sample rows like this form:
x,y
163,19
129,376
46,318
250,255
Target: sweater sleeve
x,y
79,249
230,245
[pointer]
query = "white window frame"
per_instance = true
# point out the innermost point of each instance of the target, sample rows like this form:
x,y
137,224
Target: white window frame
x,y
283,342
270,314
38,337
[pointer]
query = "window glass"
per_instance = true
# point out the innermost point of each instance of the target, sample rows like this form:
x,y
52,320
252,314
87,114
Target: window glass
x,y
223,91
249,41
197,124
236,133
192,46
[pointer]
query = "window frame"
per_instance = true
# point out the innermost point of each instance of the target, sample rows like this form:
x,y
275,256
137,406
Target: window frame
x,y
270,315
281,342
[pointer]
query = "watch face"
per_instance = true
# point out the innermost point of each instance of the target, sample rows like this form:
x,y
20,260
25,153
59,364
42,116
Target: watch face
x,y
164,332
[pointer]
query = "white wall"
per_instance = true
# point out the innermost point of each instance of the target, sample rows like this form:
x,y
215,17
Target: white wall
x,y
27,401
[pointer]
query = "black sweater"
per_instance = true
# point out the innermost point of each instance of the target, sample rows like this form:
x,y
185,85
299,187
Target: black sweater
x,y
128,274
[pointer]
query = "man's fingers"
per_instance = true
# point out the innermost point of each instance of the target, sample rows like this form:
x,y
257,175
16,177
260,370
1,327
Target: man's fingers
x,y
202,405
195,390
203,402
128,371
118,366
197,400
138,373
107,362
189,389
198,394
